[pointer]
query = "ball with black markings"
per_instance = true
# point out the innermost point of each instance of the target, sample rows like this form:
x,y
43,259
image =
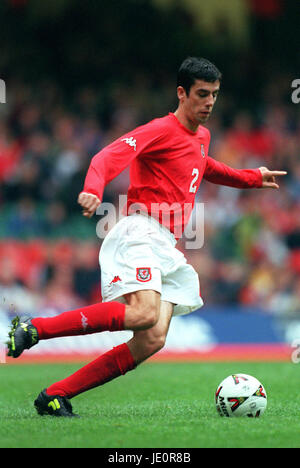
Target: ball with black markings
x,y
241,395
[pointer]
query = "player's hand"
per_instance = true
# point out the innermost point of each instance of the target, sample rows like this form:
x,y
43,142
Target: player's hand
x,y
269,177
89,203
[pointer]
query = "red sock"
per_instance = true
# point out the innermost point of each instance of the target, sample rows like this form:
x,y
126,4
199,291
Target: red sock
x,y
110,365
105,316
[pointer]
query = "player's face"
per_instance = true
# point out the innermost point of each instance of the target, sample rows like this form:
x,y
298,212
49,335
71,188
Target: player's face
x,y
199,104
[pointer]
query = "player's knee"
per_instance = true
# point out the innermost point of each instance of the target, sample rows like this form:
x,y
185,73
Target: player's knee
x,y
155,343
145,343
146,316
160,342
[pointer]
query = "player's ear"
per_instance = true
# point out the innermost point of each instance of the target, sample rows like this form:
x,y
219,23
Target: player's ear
x,y
181,93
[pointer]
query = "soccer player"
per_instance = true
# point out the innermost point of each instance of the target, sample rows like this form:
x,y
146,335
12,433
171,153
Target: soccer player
x,y
145,279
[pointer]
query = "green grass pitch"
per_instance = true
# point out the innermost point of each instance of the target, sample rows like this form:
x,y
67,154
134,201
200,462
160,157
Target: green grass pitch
x,y
159,405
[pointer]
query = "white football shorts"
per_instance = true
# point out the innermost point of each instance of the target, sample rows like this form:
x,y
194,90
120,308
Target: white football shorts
x,y
139,253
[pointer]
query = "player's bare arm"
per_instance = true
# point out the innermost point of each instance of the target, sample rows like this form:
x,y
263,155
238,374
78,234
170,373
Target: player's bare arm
x,y
269,177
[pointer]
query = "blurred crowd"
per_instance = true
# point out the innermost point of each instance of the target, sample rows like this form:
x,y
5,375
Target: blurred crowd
x,y
49,251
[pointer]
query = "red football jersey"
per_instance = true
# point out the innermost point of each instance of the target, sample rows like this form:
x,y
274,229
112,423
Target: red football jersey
x,y
167,163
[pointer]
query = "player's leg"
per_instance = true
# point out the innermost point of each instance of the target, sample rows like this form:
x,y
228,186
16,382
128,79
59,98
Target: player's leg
x,y
112,364
107,316
145,343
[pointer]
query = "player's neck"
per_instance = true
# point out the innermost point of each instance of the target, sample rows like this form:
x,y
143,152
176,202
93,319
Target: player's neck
x,y
185,121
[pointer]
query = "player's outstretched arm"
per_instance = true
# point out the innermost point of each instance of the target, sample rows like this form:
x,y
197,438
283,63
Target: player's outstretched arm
x,y
221,174
89,203
269,177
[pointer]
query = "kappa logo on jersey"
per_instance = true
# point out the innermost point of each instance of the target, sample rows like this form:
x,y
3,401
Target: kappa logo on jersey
x,y
202,150
143,274
84,321
130,141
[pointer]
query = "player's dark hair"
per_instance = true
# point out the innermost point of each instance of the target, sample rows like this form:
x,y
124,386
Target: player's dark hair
x,y
194,68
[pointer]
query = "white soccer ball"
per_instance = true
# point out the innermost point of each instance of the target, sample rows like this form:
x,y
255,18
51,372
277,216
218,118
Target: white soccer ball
x,y
241,395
